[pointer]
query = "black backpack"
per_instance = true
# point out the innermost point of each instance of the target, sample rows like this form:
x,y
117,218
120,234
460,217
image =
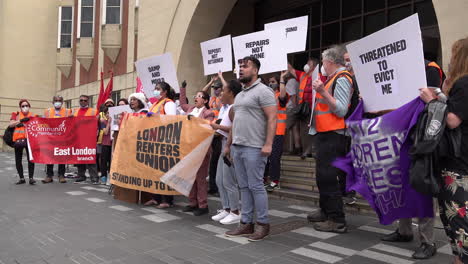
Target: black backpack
x,y
8,136
354,97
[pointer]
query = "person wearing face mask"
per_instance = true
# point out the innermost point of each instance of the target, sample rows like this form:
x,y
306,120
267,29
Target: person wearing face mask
x,y
328,126
165,95
57,111
198,202
305,95
273,167
86,110
348,65
17,121
218,109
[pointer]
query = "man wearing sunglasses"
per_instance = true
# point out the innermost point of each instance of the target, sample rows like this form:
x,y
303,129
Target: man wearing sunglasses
x,y
85,110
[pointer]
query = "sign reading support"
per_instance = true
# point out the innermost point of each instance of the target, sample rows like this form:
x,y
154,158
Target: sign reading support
x,y
294,31
266,46
389,65
217,55
156,69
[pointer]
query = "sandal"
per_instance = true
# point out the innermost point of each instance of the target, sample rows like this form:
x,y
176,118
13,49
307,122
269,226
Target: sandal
x,y
164,206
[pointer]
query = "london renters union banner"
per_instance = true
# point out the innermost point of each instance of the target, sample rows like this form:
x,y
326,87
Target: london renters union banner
x,y
62,140
160,154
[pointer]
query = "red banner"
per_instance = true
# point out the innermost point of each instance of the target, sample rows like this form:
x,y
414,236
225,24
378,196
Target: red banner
x,y
68,140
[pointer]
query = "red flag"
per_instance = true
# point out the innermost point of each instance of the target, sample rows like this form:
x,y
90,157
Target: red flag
x,y
139,86
105,94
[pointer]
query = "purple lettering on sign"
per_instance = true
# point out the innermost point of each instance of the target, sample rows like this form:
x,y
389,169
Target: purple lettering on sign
x,y
367,151
379,149
374,122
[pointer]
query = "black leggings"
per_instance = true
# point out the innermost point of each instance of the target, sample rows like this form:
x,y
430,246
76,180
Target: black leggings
x,y
19,162
106,156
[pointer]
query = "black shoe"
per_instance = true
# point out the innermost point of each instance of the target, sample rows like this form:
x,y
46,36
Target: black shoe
x,y
81,179
201,211
316,217
397,237
425,251
32,181
189,208
21,181
212,191
331,226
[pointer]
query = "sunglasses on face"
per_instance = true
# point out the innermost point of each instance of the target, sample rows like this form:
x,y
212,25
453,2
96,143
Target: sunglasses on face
x,y
24,106
83,100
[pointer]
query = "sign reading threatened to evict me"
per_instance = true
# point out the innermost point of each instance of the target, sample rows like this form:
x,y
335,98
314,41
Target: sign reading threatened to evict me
x,y
389,65
266,46
160,154
217,55
294,31
156,69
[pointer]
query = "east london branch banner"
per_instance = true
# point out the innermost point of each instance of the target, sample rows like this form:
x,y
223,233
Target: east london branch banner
x,y
160,154
68,140
378,165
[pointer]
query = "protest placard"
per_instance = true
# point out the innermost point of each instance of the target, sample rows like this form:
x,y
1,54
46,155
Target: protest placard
x,y
389,65
62,140
156,69
217,55
295,32
160,154
266,46
115,113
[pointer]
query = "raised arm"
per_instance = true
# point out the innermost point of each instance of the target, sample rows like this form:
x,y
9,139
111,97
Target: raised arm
x,y
183,97
208,85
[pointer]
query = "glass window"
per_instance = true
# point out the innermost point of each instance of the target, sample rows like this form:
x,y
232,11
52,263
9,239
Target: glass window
x,y
113,12
315,16
315,37
331,10
372,5
66,24
67,104
87,15
351,29
397,2
397,14
331,34
351,8
115,96
373,23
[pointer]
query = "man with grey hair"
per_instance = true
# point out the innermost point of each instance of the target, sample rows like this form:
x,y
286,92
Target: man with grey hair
x,y
328,124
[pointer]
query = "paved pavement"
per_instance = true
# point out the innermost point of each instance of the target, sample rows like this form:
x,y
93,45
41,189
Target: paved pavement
x,y
82,224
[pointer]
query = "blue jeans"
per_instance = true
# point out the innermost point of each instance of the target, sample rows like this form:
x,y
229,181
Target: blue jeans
x,y
227,185
249,165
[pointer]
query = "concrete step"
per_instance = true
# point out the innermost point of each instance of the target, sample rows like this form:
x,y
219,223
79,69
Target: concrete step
x,y
360,207
308,170
297,174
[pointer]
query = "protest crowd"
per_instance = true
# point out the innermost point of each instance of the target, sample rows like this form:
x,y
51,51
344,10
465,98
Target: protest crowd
x,y
320,108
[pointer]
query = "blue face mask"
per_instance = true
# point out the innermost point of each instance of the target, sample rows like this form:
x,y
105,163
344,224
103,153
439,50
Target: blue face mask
x,y
157,93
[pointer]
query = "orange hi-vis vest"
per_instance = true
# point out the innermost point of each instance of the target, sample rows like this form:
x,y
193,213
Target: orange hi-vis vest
x,y
52,113
441,73
325,119
215,106
280,117
159,107
302,85
90,112
20,132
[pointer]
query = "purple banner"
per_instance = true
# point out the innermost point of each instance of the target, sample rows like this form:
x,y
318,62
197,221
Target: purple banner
x,y
378,165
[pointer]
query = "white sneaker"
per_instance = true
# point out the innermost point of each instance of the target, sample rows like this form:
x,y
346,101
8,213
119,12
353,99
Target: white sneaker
x,y
220,216
231,219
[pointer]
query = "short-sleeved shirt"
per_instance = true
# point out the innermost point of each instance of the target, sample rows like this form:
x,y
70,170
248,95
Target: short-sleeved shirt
x,y
292,87
250,122
457,104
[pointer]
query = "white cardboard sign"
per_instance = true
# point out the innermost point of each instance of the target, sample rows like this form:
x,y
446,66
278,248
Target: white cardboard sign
x,y
217,55
266,46
389,65
114,113
157,69
294,31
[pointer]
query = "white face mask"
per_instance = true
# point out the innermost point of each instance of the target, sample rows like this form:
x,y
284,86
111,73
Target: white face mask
x,y
322,70
306,68
25,109
57,105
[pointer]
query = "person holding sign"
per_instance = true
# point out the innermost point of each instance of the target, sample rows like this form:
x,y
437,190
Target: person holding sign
x,y
251,140
56,112
199,195
304,96
329,126
453,195
165,95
